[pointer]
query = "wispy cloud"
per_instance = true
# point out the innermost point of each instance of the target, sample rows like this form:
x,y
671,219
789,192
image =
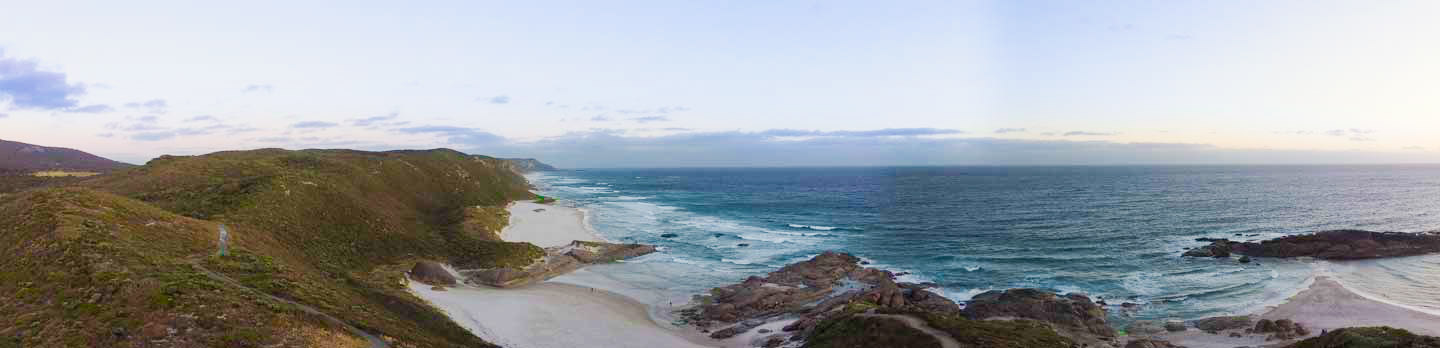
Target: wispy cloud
x,y
1009,130
90,109
1354,134
600,118
648,119
202,118
459,136
27,87
374,120
314,125
887,132
1087,134
499,99
154,106
258,88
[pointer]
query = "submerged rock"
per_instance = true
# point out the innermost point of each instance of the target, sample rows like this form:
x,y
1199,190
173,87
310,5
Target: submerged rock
x,y
669,235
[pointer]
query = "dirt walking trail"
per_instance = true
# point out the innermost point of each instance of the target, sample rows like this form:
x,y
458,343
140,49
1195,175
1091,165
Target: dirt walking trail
x,y
375,342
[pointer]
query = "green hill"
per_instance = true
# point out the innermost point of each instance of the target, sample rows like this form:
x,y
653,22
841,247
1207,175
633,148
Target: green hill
x,y
121,259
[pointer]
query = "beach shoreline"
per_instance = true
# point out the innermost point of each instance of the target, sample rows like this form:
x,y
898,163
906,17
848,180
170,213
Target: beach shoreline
x,y
619,314
580,310
1325,305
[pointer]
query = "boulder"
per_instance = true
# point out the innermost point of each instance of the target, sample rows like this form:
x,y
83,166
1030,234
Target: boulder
x,y
1217,324
433,273
1174,325
1074,313
1282,329
1145,327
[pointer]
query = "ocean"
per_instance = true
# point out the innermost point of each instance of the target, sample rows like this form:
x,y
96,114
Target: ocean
x,y
1112,232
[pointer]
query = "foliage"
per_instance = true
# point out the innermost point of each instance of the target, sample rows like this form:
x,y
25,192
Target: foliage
x,y
860,331
333,229
1369,337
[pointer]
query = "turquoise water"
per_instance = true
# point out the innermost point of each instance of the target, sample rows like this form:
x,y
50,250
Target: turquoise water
x,y
1111,232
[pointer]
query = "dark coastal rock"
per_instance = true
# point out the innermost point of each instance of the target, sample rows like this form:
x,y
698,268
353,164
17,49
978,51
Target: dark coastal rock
x,y
1282,329
1217,324
1244,259
669,235
558,261
1074,313
1148,343
1329,245
433,273
742,245
1145,327
1175,326
811,291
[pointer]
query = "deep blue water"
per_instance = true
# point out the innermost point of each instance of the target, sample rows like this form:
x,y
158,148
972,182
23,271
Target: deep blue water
x,y
1115,232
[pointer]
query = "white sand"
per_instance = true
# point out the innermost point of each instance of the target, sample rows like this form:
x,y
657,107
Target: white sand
x,y
1329,305
1326,305
554,314
552,225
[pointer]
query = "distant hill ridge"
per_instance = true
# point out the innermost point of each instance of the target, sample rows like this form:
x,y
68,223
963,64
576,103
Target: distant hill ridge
x,y
529,165
17,156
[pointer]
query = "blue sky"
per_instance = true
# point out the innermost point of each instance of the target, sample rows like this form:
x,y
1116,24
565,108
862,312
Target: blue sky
x,y
691,83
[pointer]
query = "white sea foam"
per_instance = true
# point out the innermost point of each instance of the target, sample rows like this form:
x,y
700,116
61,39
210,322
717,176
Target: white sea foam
x,y
813,227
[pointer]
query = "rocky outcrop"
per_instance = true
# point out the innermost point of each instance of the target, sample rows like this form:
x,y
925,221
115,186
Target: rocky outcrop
x,y
1217,324
1282,329
433,273
1329,245
557,261
1073,313
808,292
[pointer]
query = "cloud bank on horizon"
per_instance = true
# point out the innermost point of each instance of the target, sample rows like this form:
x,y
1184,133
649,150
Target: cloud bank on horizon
x,y
828,83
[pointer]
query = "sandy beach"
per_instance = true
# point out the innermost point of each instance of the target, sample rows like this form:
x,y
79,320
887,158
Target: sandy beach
x,y
1325,305
555,314
584,309
546,225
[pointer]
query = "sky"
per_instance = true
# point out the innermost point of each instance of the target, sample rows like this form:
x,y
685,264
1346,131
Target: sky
x,y
587,84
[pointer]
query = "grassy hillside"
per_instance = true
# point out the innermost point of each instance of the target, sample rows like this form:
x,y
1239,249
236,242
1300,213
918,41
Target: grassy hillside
x,y
22,157
329,229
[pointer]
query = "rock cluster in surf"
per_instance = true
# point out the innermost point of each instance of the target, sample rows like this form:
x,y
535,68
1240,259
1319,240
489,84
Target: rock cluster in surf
x,y
833,290
1328,245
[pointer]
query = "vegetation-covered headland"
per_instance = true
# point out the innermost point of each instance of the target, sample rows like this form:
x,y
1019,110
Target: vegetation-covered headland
x,y
127,259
